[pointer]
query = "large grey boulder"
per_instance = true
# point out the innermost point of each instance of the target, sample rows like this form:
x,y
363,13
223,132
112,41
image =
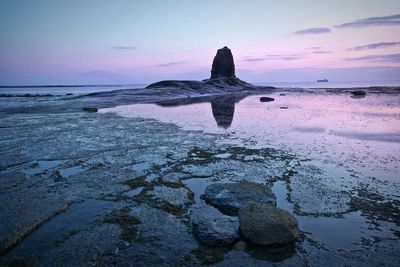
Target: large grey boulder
x,y
230,197
267,225
223,65
215,229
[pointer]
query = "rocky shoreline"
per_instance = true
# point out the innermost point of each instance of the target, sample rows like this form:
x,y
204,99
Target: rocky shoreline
x,y
86,188
143,180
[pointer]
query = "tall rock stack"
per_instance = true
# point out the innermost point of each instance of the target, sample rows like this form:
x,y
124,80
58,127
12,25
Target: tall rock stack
x,y
223,65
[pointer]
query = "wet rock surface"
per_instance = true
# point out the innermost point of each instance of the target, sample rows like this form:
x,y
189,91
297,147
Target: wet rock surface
x,y
213,229
126,195
240,246
177,197
74,221
230,197
90,109
264,224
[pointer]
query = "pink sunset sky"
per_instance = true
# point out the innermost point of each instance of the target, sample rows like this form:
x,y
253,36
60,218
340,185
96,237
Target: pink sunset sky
x,y
119,42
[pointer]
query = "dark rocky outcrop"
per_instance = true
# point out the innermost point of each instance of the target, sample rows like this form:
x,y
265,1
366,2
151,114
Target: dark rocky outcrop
x,y
176,83
26,95
223,65
264,224
230,197
266,99
358,93
222,80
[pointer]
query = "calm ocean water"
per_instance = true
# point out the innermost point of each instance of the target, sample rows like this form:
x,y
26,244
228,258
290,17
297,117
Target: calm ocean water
x,y
79,89
331,84
82,89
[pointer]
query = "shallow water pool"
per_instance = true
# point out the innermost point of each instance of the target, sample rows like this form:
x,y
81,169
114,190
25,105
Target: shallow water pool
x,y
361,134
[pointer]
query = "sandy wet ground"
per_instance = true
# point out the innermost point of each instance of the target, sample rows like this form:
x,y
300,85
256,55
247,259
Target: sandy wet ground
x,y
100,188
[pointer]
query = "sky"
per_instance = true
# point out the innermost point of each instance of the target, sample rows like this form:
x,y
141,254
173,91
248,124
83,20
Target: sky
x,y
123,42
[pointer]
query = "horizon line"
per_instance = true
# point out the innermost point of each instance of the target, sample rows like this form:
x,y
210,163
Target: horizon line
x,y
127,84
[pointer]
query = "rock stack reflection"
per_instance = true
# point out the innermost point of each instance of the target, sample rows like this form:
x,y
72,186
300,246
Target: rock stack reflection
x,y
223,109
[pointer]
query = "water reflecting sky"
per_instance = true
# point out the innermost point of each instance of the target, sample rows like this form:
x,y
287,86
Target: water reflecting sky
x,y
363,133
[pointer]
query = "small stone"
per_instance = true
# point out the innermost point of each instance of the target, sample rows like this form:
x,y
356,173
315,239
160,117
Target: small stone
x,y
57,177
267,225
90,109
240,246
266,99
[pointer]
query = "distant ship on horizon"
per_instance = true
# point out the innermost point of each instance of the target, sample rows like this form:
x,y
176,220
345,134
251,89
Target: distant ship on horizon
x,y
322,81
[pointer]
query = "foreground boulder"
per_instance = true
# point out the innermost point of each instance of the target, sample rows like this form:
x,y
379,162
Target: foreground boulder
x,y
223,65
267,225
230,197
214,229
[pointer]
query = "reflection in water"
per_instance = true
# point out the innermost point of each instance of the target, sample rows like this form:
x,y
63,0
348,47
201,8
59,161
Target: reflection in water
x,y
309,129
223,109
272,253
358,96
318,125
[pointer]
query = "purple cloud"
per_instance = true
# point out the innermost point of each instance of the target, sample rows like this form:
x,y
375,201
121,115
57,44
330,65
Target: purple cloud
x,y
373,21
285,57
275,57
169,64
391,58
321,52
315,48
124,47
314,31
255,59
375,46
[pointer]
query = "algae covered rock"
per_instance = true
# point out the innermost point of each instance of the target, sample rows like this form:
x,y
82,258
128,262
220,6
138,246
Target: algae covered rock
x,y
264,224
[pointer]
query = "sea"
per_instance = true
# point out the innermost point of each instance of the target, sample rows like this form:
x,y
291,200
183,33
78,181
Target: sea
x,y
84,89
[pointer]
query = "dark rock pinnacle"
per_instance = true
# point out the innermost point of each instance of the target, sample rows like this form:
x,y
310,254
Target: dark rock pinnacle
x,y
223,65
